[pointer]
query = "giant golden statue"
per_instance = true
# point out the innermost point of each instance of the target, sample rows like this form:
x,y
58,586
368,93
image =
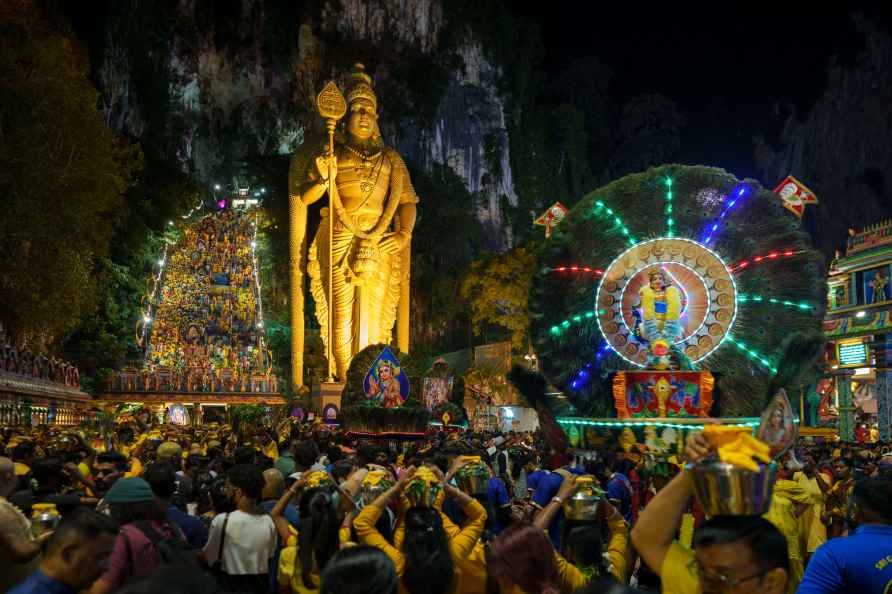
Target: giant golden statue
x,y
359,260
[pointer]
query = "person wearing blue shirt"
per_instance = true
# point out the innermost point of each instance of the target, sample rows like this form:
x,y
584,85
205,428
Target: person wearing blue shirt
x,y
75,555
162,479
619,492
498,504
861,562
547,486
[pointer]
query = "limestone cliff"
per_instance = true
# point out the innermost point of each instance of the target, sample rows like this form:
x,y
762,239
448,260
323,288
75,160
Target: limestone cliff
x,y
213,84
841,148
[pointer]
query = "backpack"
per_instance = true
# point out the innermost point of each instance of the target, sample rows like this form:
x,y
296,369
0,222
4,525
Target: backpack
x,y
169,549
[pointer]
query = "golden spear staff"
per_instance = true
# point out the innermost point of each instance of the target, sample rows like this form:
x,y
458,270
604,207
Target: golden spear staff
x,y
331,106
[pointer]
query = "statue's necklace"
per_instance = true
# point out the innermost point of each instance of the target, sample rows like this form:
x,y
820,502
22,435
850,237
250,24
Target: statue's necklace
x,y
366,159
368,166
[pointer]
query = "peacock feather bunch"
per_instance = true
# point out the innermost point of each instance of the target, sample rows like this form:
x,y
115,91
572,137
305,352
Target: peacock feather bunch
x,y
756,330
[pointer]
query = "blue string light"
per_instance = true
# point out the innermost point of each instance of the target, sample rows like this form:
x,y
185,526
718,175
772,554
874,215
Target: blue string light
x,y
581,378
738,195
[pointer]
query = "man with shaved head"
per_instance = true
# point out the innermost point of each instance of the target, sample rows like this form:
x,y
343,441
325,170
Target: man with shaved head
x,y
75,556
18,549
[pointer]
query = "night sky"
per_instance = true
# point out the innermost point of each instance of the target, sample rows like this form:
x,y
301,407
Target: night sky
x,y
732,70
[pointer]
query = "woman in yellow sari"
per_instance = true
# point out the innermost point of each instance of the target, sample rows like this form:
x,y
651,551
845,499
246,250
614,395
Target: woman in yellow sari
x,y
788,502
582,558
424,555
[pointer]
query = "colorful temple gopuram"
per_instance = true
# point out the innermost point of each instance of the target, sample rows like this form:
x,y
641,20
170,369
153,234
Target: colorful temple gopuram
x,y
202,326
858,326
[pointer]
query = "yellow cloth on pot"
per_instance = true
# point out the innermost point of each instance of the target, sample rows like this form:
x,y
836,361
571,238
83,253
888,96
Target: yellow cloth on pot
x,y
737,446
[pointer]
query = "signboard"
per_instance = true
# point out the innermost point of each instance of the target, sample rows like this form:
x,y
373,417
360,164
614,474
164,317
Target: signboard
x,y
851,353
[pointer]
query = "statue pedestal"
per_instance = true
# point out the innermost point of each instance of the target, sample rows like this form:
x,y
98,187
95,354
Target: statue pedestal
x,y
325,394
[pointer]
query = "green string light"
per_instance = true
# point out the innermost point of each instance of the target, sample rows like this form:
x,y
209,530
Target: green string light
x,y
644,423
743,298
559,328
603,210
753,354
670,222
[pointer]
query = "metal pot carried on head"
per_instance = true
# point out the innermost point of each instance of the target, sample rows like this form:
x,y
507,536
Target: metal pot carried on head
x,y
583,504
374,484
423,489
723,489
473,477
44,518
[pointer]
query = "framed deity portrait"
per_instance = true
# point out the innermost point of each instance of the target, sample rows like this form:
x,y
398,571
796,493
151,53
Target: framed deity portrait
x,y
876,285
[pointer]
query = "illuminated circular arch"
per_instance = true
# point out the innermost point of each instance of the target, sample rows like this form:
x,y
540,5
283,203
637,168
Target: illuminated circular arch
x,y
703,278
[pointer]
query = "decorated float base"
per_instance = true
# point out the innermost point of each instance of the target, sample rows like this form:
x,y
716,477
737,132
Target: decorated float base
x,y
376,399
662,394
658,436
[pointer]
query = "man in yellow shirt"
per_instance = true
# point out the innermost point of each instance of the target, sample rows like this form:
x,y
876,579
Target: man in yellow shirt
x,y
731,555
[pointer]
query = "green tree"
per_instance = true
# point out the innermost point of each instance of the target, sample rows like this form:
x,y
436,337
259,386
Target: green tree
x,y
497,290
106,341
64,174
444,242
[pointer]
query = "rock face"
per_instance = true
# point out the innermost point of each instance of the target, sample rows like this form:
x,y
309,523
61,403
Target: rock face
x,y
840,149
413,22
469,135
237,80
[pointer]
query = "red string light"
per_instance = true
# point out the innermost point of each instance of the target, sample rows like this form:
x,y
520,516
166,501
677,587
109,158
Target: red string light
x,y
584,269
759,259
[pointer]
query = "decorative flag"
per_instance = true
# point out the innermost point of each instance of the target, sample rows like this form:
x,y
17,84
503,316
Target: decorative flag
x,y
794,195
550,219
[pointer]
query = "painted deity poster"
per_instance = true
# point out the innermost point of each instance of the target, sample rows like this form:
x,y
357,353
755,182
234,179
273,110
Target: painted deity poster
x,y
386,384
436,390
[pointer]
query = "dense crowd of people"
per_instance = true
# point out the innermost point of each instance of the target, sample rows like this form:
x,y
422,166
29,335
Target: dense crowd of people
x,y
204,335
215,509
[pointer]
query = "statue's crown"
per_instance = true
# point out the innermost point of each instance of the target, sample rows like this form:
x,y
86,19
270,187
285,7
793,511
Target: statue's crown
x,y
362,86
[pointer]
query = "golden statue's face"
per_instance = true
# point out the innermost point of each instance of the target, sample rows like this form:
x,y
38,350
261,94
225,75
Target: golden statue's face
x,y
363,119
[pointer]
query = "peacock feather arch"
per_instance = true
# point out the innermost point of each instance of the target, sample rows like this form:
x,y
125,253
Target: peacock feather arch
x,y
747,285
